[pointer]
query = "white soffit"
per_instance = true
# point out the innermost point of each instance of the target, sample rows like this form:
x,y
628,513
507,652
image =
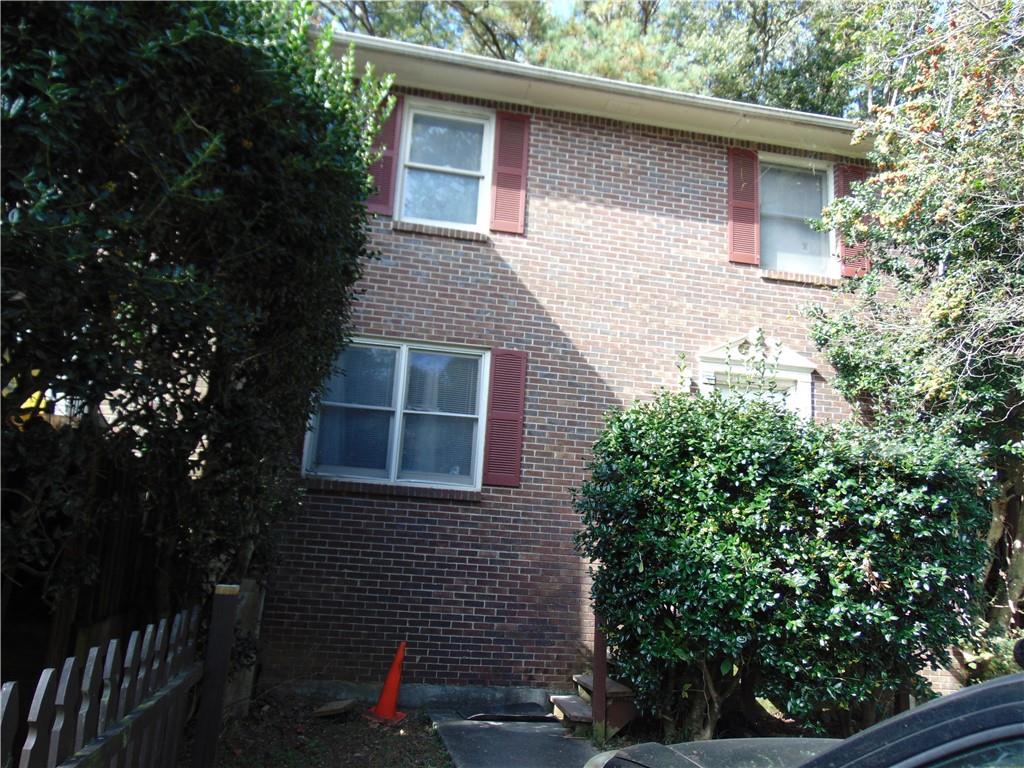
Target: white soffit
x,y
418,66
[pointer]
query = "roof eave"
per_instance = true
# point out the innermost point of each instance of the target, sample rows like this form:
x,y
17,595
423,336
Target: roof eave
x,y
422,67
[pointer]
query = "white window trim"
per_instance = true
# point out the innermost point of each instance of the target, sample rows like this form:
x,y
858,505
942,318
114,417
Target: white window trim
x,y
403,347
788,368
414,106
835,265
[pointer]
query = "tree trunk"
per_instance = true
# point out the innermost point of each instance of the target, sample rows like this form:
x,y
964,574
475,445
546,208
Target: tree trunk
x,y
868,714
669,705
1006,539
1005,612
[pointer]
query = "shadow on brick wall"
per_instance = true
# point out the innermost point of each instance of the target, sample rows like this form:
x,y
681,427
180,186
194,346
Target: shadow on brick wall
x,y
487,591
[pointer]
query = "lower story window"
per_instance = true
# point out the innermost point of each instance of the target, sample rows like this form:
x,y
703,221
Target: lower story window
x,y
402,413
759,367
776,390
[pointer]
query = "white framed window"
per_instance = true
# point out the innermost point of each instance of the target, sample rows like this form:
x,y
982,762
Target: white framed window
x,y
792,191
445,165
755,366
402,413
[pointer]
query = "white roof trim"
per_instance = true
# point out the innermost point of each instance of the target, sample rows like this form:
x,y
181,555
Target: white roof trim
x,y
419,66
742,351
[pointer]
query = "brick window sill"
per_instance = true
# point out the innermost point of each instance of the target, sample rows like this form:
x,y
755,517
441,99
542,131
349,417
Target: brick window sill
x,y
795,277
451,234
331,485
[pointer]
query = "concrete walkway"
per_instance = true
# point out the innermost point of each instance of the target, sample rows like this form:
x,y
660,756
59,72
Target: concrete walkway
x,y
489,744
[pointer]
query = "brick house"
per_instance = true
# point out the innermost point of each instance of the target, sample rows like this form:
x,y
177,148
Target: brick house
x,y
551,244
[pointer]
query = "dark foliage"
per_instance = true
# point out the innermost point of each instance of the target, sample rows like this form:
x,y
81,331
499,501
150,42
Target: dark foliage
x,y
744,552
183,223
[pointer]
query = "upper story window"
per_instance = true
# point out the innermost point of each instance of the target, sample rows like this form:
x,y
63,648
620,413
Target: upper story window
x,y
446,167
452,166
791,196
402,413
771,201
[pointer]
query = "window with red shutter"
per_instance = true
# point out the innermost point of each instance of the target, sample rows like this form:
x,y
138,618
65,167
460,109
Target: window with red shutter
x,y
773,200
445,165
462,167
854,262
404,414
744,214
505,410
385,170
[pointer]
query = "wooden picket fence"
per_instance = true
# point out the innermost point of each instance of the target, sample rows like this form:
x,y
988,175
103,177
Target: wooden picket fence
x,y
127,707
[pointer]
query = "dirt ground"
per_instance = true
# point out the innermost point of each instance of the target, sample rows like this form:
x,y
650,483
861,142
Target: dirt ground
x,y
281,732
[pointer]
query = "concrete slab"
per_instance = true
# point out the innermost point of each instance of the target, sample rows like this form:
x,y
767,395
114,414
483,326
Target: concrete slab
x,y
488,744
528,712
418,695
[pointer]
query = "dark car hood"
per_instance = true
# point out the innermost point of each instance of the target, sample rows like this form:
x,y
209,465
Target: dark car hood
x,y
724,753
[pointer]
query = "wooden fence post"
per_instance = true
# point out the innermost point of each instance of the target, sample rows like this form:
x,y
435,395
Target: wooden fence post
x,y
215,674
599,696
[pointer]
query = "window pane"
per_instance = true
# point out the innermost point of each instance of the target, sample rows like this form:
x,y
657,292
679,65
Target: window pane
x,y
792,191
354,439
364,376
440,382
446,142
792,246
440,196
781,392
438,448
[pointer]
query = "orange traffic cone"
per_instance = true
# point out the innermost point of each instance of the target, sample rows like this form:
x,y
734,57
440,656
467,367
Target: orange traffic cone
x,y
385,712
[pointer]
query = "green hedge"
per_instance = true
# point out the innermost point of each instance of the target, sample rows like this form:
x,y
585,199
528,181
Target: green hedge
x,y
738,548
183,223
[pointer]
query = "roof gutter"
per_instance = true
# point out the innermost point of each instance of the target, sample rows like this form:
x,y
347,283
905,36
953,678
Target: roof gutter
x,y
423,67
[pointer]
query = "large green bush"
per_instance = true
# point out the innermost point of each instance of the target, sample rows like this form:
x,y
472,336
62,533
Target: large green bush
x,y
183,221
741,550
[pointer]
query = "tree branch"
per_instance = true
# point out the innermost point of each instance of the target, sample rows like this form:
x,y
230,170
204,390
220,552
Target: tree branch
x,y
484,33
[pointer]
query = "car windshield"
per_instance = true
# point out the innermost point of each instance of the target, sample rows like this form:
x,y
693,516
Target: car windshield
x,y
1009,753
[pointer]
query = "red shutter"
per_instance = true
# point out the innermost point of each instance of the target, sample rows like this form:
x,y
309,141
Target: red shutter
x,y
854,262
385,170
508,188
744,207
506,403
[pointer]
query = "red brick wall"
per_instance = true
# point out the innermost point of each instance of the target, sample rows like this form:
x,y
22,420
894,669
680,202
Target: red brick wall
x,y
623,267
